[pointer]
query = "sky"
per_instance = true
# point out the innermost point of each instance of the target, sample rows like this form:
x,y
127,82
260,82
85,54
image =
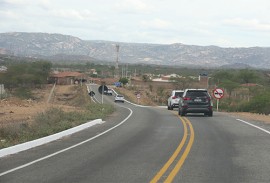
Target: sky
x,y
224,23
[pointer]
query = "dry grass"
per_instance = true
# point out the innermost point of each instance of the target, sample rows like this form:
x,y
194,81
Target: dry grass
x,y
252,116
14,110
24,120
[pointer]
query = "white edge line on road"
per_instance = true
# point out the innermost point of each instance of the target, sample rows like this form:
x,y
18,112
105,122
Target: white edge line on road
x,y
254,126
66,149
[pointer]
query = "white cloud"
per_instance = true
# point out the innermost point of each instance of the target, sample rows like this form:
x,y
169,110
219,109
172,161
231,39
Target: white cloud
x,y
248,24
133,6
156,24
74,14
207,22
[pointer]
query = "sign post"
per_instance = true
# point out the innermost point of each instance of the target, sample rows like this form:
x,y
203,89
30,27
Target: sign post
x,y
218,94
138,98
101,90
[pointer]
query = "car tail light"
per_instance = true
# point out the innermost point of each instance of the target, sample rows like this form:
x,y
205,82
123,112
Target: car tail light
x,y
174,97
187,98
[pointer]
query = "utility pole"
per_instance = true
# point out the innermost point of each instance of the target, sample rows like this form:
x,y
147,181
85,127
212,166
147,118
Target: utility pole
x,y
126,70
116,63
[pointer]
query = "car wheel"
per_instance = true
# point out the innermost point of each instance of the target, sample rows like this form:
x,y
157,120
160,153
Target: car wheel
x,y
210,114
171,107
182,113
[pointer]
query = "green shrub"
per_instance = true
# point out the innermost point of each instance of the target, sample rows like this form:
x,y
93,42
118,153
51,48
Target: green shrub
x,y
258,104
23,93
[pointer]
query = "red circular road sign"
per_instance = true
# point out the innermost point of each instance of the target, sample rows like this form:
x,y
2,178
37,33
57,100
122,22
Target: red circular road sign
x,y
218,93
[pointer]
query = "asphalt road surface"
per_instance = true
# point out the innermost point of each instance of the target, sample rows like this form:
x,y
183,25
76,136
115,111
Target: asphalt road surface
x,y
149,144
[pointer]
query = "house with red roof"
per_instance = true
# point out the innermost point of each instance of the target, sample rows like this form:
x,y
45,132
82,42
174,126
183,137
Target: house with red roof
x,y
68,78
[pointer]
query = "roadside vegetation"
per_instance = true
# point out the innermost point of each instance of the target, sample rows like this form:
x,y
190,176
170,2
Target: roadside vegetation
x,y
20,80
245,90
51,121
54,119
23,77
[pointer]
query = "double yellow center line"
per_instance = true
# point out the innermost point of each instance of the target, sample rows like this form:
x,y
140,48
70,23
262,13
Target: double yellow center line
x,y
188,130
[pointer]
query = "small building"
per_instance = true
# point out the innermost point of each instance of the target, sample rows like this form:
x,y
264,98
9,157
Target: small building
x,y
167,78
68,78
3,68
203,80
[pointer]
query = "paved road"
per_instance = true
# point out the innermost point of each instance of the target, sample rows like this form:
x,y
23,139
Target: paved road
x,y
148,144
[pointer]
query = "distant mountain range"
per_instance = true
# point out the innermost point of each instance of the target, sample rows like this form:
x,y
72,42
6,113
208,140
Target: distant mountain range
x,y
58,47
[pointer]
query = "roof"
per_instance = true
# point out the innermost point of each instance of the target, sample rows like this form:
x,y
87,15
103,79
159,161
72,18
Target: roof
x,y
171,76
67,74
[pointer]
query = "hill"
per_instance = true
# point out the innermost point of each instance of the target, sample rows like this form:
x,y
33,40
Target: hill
x,y
58,47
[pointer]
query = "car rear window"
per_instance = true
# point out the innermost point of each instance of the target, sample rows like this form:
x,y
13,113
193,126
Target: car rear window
x,y
197,93
179,94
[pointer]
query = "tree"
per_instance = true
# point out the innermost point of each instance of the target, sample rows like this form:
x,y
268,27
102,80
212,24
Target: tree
x,y
222,75
145,78
247,76
26,75
123,80
229,86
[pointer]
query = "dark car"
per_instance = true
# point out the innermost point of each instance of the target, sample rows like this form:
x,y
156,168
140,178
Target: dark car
x,y
108,92
195,101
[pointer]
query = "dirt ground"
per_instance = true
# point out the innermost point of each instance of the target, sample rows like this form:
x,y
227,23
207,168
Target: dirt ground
x,y
14,110
254,117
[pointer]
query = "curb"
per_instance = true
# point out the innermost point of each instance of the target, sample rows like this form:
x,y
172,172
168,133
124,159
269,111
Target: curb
x,y
38,142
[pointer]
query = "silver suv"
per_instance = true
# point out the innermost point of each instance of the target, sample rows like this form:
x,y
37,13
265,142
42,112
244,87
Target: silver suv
x,y
173,100
195,101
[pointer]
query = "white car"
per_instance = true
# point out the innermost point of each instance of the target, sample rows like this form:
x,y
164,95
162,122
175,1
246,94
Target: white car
x,y
173,100
108,92
119,98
